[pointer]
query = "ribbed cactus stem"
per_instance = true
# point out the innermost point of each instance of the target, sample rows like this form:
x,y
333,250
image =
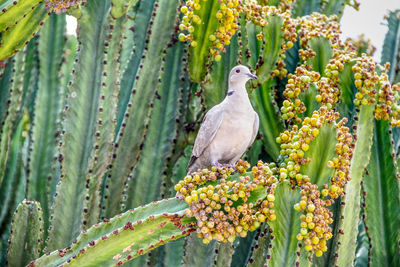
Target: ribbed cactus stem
x,y
223,254
48,106
176,150
351,210
273,39
124,237
382,207
260,247
120,7
26,236
19,22
105,127
283,251
14,102
79,126
129,149
140,34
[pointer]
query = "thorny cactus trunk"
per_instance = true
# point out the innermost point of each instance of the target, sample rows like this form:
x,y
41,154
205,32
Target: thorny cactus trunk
x,y
102,123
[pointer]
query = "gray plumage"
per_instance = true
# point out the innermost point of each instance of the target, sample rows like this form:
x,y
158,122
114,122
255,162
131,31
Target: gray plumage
x,y
228,128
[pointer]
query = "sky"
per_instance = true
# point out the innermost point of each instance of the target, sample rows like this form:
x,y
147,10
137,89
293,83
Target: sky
x,y
369,20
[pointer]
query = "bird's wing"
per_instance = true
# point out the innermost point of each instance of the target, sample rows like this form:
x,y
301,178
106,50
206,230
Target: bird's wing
x,y
209,127
255,128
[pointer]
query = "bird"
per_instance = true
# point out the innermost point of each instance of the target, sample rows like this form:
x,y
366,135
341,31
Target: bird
x,y
229,128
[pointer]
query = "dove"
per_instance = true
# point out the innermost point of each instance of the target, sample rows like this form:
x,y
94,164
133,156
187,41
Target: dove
x,y
228,128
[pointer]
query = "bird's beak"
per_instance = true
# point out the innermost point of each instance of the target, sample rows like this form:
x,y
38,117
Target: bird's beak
x,y
252,76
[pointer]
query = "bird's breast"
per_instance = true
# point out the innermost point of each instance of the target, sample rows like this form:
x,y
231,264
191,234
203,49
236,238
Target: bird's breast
x,y
234,135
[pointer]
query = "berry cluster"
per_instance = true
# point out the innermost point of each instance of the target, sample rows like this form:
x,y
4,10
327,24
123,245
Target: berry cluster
x,y
315,229
317,25
366,80
228,23
226,205
297,83
315,220
59,6
387,107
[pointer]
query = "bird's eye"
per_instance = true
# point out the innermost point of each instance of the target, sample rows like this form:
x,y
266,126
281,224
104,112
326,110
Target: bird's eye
x,y
237,71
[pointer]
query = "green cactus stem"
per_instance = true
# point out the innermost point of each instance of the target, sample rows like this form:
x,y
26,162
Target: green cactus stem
x,y
140,33
79,125
145,183
13,187
271,124
47,113
382,207
273,38
26,234
391,46
120,7
199,52
284,247
351,209
105,126
19,22
14,102
128,150
124,237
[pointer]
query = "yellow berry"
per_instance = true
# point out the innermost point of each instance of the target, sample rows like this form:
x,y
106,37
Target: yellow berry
x,y
305,147
182,37
196,19
358,83
188,199
184,9
311,207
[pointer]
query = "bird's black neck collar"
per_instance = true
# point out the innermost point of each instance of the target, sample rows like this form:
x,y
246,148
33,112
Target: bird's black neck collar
x,y
230,93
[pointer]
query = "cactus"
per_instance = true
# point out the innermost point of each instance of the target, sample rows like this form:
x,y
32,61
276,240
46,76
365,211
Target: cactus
x,y
95,127
26,234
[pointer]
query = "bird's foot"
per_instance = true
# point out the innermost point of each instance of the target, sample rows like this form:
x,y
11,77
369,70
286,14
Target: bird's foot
x,y
220,165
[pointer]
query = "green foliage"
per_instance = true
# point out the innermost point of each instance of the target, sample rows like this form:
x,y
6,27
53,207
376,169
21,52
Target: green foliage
x,y
103,123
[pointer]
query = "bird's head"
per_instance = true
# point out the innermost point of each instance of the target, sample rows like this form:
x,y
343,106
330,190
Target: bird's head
x,y
240,75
